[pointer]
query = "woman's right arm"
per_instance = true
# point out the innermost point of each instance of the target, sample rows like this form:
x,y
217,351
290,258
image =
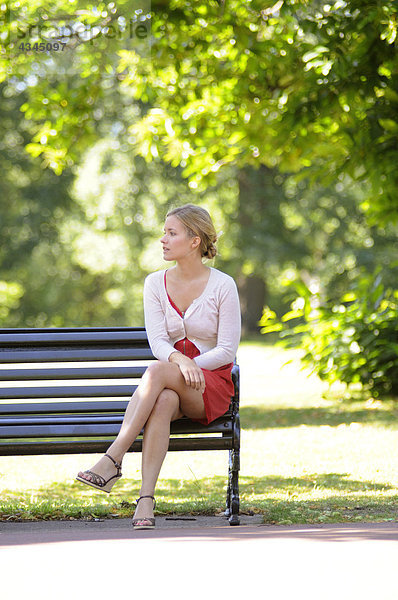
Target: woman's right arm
x,y
192,374
155,323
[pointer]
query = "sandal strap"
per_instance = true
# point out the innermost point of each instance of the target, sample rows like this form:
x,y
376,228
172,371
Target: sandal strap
x,y
97,479
117,465
150,520
140,498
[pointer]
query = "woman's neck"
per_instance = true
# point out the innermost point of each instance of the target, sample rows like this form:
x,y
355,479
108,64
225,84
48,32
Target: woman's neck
x,y
188,269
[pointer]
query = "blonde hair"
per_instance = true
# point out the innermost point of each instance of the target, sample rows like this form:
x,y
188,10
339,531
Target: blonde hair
x,y
197,222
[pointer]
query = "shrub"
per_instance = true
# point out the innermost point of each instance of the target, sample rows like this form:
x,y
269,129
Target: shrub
x,y
354,340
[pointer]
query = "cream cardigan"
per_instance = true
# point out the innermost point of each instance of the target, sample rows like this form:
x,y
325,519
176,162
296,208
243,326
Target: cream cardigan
x,y
212,322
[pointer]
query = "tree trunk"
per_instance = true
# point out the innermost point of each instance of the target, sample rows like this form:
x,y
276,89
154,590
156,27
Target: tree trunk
x,y
252,293
253,200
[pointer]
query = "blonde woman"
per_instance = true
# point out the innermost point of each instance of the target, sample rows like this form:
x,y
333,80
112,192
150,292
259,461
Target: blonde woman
x,y
192,319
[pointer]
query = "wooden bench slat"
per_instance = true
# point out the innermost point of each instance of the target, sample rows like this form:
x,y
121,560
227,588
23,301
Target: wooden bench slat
x,y
85,406
59,430
65,428
57,373
73,391
55,336
181,426
22,448
82,354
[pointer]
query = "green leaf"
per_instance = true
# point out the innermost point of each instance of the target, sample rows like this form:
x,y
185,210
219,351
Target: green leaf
x,y
389,125
292,314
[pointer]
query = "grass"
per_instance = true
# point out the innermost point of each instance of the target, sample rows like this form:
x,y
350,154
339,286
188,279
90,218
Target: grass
x,y
309,455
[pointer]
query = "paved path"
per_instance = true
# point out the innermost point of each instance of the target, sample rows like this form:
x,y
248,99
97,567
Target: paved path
x,y
77,559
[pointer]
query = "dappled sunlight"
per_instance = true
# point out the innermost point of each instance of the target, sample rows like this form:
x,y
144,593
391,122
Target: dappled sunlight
x,y
64,499
262,417
315,496
270,374
275,485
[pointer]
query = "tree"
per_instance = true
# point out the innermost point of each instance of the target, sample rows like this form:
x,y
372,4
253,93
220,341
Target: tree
x,y
77,246
301,85
296,84
244,89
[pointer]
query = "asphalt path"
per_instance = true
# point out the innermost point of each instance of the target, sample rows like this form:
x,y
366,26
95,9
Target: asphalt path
x,y
201,558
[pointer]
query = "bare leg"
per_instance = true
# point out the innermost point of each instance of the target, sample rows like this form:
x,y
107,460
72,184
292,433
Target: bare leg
x,y
155,445
158,376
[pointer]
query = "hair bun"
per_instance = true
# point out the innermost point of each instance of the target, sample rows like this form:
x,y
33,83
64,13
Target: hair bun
x,y
211,251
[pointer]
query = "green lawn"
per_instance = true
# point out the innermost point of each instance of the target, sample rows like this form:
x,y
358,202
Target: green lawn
x,y
308,456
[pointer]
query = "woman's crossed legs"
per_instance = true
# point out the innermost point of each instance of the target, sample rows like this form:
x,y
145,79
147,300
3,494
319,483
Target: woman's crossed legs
x,y
161,397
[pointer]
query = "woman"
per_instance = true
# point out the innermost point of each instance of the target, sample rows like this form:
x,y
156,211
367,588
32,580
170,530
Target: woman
x,y
192,319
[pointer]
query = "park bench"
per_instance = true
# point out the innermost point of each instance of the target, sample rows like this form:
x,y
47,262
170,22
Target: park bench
x,y
64,391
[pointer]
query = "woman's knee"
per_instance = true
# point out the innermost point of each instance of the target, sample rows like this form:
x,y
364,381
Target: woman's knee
x,y
157,370
154,369
167,404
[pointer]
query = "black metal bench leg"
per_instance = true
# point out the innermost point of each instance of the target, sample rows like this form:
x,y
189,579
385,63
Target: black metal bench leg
x,y
232,508
228,511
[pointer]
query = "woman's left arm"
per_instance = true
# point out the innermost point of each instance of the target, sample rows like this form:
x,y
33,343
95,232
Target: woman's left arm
x,y
229,328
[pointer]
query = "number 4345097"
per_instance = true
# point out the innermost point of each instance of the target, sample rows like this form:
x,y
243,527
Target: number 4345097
x,y
42,47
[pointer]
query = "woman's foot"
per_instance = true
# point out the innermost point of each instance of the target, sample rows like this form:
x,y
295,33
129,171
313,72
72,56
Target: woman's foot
x,y
103,475
143,516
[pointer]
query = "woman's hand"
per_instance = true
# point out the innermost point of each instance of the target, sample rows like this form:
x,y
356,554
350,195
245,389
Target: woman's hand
x,y
192,374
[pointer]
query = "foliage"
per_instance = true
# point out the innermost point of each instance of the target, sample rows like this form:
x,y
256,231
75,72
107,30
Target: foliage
x,y
331,240
296,84
301,85
354,341
76,247
91,235
10,294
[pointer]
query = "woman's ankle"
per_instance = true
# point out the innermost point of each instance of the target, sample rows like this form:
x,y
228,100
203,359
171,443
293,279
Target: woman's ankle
x,y
115,454
147,495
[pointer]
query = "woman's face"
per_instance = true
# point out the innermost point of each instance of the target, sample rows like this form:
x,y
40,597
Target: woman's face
x,y
176,242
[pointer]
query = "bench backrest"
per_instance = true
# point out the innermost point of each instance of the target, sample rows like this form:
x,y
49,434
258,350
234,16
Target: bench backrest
x,y
64,387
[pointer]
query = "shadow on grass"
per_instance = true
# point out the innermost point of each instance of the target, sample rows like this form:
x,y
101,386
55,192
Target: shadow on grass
x,y
253,417
203,496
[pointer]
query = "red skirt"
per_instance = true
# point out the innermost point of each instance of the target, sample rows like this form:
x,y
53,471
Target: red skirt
x,y
219,387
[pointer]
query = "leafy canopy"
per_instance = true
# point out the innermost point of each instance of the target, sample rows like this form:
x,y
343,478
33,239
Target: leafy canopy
x,y
305,86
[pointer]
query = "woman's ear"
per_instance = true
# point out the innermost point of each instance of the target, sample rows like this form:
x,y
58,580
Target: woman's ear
x,y
196,241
